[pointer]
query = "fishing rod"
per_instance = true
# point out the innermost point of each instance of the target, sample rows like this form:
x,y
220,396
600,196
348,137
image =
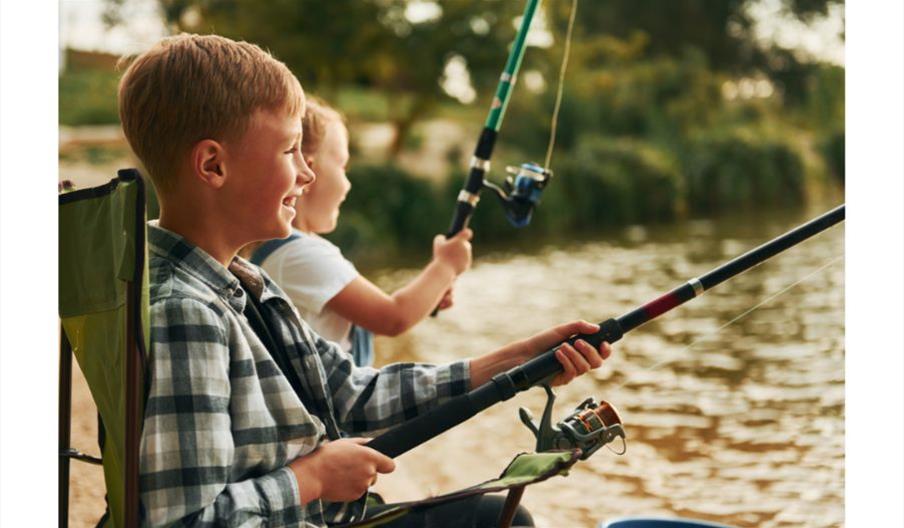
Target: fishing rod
x,y
523,187
592,425
523,192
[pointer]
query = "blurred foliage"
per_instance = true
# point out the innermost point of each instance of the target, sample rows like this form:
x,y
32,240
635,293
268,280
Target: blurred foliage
x,y
722,30
739,171
671,108
88,97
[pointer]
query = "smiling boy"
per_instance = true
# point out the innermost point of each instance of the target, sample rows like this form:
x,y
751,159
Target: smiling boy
x,y
246,405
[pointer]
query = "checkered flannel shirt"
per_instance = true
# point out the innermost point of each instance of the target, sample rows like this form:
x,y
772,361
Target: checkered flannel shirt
x,y
222,421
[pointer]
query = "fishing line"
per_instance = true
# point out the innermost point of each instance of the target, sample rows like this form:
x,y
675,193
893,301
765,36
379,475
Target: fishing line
x,y
555,113
736,318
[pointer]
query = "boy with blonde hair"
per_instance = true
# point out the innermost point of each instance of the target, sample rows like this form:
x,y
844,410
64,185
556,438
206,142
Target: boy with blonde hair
x,y
245,403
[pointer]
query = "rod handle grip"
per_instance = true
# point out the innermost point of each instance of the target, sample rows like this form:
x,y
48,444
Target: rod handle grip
x,y
545,365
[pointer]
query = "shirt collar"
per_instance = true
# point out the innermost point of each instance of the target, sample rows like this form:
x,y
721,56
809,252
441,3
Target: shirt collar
x,y
198,263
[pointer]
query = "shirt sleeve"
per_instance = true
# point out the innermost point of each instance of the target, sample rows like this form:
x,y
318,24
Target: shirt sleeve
x,y
187,445
311,271
368,400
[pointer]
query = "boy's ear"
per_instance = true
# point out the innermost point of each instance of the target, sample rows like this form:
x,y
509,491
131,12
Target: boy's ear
x,y
207,157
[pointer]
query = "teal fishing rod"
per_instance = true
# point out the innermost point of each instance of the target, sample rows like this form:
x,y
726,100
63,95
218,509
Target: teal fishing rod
x,y
524,190
579,430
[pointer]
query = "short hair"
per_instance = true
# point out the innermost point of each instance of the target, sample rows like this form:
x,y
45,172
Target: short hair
x,y
318,114
187,88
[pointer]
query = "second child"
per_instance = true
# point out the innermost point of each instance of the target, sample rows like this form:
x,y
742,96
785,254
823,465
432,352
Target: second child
x,y
339,303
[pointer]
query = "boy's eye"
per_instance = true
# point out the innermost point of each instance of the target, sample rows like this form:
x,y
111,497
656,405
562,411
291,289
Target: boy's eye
x,y
292,150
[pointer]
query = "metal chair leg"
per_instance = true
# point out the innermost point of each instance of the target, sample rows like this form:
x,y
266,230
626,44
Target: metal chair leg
x,y
65,412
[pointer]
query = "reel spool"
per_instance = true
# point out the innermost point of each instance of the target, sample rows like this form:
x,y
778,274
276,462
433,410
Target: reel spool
x,y
591,426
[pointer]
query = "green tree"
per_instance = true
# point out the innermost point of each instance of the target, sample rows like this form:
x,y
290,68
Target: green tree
x,y
722,30
379,44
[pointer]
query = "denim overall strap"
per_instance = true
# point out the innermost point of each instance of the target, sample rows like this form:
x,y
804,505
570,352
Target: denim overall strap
x,y
267,248
362,346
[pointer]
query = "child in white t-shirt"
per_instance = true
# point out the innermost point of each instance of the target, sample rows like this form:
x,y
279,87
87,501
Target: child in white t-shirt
x,y
338,302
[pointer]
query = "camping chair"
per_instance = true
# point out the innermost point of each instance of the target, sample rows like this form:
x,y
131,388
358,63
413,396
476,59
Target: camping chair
x,y
103,311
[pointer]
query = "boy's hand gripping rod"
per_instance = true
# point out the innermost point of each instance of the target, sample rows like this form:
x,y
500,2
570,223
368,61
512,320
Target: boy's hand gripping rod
x,y
503,386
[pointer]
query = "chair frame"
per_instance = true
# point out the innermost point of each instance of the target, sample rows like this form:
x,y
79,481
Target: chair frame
x,y
135,355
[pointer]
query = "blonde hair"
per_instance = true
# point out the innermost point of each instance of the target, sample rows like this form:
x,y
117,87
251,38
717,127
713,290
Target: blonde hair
x,y
188,88
318,115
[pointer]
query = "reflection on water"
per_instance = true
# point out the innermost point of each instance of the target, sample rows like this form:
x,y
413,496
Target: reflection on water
x,y
744,427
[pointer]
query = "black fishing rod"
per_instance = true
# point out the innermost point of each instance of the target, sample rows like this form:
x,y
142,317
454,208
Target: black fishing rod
x,y
540,369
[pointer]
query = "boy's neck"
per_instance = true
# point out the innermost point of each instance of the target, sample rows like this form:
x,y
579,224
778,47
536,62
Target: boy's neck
x,y
196,231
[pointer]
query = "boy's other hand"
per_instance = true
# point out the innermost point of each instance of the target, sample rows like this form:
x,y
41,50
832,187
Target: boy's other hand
x,y
576,360
339,471
454,252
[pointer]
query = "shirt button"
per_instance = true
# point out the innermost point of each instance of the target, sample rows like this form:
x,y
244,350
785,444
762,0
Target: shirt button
x,y
238,293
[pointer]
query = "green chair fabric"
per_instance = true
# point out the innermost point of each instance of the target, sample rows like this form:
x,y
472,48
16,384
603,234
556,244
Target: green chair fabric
x,y
103,306
523,470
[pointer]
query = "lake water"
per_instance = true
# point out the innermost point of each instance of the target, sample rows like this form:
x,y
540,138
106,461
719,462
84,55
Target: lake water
x,y
745,427
742,424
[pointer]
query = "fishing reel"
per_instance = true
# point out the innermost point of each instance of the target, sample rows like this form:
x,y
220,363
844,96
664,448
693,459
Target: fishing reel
x,y
521,191
591,426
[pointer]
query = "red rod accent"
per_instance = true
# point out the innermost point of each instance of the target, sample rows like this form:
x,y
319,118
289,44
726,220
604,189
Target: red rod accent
x,y
659,306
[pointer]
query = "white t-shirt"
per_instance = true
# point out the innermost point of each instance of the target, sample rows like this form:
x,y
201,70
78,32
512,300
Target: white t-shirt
x,y
311,270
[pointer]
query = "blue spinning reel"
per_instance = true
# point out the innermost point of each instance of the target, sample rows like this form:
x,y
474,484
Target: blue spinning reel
x,y
521,191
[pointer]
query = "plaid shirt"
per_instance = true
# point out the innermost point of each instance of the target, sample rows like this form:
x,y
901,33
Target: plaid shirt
x,y
222,421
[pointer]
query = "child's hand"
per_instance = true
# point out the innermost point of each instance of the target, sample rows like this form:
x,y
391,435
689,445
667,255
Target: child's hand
x,y
576,360
339,471
454,252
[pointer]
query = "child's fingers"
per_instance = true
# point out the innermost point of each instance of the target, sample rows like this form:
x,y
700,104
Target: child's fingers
x,y
466,234
581,365
566,330
384,464
589,354
568,369
557,334
605,350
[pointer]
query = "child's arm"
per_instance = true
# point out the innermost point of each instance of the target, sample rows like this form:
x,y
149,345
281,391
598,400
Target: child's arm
x,y
368,400
366,305
188,446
